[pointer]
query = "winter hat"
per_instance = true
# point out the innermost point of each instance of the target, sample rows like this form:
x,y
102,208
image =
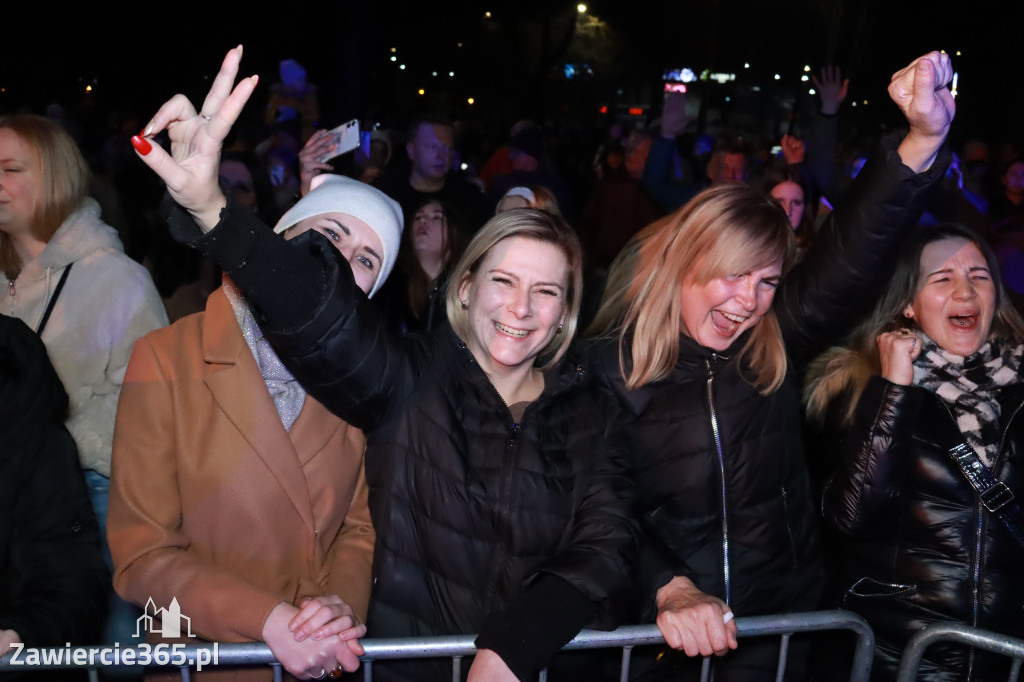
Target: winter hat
x,y
338,194
523,192
291,71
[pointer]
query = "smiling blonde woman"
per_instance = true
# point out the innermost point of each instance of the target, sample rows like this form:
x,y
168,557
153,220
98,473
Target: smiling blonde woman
x,y
706,349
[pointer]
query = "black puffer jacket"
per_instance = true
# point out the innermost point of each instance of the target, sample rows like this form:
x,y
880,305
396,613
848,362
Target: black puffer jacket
x,y
472,509
53,584
721,473
920,548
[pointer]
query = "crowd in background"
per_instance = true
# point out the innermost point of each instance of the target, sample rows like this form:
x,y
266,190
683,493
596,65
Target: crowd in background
x,y
91,267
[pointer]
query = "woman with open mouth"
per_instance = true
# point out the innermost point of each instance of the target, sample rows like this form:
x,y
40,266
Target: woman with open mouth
x,y
705,343
930,384
499,483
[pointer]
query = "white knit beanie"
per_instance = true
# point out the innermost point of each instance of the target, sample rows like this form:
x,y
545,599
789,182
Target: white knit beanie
x,y
338,194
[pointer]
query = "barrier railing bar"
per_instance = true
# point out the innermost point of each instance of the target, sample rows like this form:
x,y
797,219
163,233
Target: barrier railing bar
x,y
627,655
780,672
964,634
705,669
459,646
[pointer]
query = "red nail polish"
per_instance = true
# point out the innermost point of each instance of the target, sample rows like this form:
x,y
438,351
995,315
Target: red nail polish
x,y
141,145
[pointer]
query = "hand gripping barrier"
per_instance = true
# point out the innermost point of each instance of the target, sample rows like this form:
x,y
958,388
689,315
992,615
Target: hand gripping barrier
x,y
458,647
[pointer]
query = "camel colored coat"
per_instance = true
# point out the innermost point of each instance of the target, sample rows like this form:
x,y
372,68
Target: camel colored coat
x,y
212,502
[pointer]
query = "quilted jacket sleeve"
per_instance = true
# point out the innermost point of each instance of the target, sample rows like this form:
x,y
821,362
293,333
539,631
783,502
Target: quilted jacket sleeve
x,y
852,257
319,322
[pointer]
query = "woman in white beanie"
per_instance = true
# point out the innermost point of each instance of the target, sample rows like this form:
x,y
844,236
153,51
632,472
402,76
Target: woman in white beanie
x,y
234,492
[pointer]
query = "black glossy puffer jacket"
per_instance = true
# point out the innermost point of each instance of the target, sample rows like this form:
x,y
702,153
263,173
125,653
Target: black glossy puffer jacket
x,y
920,548
721,471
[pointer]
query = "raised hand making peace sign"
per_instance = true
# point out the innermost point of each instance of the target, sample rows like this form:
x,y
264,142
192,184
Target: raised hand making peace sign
x,y
190,170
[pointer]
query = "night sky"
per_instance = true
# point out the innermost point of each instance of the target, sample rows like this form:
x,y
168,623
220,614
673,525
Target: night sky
x,y
510,63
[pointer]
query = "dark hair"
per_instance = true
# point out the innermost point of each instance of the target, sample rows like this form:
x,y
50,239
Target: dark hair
x,y
775,175
430,120
419,282
847,372
261,184
888,314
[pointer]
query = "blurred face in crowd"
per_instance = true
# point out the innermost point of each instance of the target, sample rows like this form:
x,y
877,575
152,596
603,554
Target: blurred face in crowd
x,y
429,150
1014,181
727,167
21,179
357,242
428,230
239,182
637,152
956,298
791,197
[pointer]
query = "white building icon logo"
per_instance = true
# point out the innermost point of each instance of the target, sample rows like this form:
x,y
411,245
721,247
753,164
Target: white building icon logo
x,y
170,620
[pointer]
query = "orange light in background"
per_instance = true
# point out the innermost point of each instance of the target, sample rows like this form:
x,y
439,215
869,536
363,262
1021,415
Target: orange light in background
x,y
603,110
471,101
636,111
421,91
88,88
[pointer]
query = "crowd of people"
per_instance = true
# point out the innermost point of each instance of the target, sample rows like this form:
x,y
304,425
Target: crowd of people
x,y
398,399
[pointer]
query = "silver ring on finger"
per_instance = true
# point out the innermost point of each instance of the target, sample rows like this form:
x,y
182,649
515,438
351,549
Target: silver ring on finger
x,y
323,673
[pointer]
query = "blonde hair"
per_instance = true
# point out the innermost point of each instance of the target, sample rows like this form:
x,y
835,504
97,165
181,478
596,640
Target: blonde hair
x,y
64,180
846,371
725,230
527,223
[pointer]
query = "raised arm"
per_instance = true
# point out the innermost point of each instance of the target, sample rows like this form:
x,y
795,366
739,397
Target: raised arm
x,y
658,173
299,290
921,91
842,275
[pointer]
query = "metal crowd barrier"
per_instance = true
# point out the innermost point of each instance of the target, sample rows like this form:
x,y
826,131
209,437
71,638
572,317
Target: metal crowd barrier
x,y
962,634
187,657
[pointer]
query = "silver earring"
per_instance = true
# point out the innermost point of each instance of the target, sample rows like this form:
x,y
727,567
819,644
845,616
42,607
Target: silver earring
x,y
465,306
559,331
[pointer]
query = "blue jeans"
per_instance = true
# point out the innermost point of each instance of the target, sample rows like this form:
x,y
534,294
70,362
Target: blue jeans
x,y
121,615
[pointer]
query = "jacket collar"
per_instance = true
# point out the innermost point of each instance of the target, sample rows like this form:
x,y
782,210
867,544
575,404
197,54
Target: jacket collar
x,y
567,374
240,392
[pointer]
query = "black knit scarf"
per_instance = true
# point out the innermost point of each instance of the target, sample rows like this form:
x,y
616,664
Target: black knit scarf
x,y
969,387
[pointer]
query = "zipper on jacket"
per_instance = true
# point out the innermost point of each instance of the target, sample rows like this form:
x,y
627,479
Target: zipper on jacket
x,y
789,530
506,497
979,529
721,468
